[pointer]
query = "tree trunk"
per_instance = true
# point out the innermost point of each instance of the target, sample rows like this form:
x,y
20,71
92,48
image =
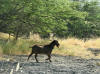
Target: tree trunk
x,y
9,36
17,35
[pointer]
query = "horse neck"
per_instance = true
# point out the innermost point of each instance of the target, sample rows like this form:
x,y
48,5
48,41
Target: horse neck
x,y
52,45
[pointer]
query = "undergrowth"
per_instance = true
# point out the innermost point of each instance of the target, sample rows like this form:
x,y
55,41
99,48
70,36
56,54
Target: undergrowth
x,y
69,46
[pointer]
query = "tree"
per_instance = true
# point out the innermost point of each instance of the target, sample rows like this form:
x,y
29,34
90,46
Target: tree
x,y
93,18
14,18
62,17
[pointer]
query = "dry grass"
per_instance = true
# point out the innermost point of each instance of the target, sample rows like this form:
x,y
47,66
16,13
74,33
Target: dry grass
x,y
69,46
5,36
76,47
93,43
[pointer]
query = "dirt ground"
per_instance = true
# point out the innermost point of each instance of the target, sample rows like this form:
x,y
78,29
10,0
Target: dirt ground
x,y
59,65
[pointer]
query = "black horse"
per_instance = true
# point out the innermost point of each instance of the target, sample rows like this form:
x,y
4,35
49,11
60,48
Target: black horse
x,y
46,49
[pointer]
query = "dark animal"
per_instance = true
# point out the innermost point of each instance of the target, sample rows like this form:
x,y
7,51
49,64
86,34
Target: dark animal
x,y
46,49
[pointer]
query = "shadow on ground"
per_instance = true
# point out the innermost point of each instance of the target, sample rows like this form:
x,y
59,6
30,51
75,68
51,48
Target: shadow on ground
x,y
95,51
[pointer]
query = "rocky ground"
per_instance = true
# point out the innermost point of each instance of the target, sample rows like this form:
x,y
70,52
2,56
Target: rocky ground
x,y
59,65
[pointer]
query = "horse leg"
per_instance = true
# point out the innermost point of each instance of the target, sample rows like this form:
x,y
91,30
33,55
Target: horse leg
x,y
36,57
49,57
29,56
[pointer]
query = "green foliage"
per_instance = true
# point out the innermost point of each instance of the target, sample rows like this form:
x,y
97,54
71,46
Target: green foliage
x,y
62,17
93,18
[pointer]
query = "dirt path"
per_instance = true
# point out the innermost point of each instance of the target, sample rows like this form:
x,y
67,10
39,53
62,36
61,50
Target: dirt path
x,y
59,65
